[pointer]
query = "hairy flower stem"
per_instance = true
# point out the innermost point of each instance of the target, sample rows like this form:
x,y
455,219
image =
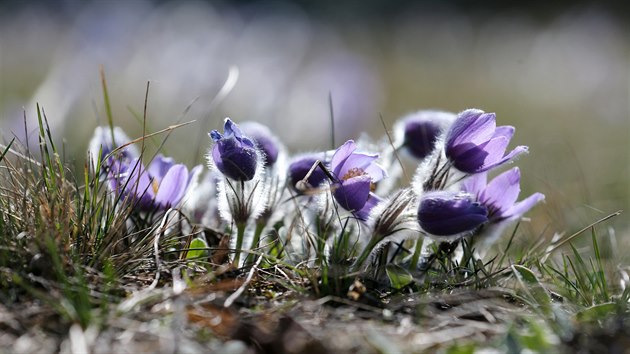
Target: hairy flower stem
x,y
240,233
416,254
255,242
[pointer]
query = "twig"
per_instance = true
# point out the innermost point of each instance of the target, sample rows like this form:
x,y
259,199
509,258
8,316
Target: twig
x,y
156,248
230,300
395,150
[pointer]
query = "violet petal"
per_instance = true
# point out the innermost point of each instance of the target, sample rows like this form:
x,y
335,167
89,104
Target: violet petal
x,y
352,194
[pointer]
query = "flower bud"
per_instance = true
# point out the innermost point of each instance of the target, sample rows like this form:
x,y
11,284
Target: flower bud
x,y
234,154
419,132
300,167
449,214
264,140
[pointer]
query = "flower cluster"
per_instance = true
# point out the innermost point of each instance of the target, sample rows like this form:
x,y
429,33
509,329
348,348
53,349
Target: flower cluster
x,y
313,203
454,198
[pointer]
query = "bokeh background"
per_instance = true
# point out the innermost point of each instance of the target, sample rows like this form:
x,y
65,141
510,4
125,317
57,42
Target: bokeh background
x,y
558,71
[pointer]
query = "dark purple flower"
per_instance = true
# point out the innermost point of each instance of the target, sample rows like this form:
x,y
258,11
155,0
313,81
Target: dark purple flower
x,y
160,186
299,168
475,144
449,214
421,130
499,196
234,154
264,140
356,172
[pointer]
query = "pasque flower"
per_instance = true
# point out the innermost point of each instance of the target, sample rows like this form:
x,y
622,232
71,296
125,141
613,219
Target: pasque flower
x,y
419,132
106,139
234,154
356,172
475,144
499,196
444,213
160,186
301,166
264,140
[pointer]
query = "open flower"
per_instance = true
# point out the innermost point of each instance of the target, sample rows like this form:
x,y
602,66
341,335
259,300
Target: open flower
x,y
475,144
356,173
234,154
418,133
499,196
105,140
160,186
450,214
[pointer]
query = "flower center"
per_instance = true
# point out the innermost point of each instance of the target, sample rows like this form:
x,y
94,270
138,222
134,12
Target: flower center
x,y
353,172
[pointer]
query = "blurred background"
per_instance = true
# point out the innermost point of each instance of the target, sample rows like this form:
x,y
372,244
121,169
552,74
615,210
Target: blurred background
x,y
558,71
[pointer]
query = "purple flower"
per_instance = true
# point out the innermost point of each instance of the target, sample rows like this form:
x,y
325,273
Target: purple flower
x,y
356,173
234,154
103,141
160,186
264,140
421,130
499,196
475,144
449,214
299,168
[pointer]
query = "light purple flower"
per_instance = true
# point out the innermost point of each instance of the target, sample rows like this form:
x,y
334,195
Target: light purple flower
x,y
449,214
234,154
499,196
160,186
103,141
475,144
356,173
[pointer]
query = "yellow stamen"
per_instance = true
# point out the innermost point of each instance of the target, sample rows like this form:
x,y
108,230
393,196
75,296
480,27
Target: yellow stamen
x,y
155,185
353,172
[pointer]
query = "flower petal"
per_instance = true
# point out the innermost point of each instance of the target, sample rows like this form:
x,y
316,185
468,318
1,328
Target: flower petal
x,y
240,164
230,129
299,168
475,184
489,164
364,213
173,186
520,208
447,214
505,130
501,193
472,126
470,158
159,166
341,155
376,171
357,160
352,194
137,183
463,122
